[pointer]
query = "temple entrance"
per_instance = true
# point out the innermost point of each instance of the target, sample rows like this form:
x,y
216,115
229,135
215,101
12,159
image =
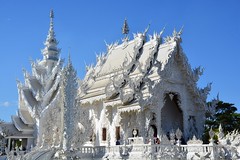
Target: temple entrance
x,y
172,116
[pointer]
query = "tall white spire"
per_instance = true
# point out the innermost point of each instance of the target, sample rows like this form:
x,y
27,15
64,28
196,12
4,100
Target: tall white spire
x,y
70,110
51,52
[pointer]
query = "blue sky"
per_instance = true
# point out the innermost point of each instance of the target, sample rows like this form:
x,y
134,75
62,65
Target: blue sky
x,y
211,37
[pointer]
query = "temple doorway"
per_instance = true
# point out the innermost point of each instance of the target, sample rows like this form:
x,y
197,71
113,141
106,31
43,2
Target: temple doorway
x,y
171,114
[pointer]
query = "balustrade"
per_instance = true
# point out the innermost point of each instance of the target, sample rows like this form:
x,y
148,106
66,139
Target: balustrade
x,y
148,151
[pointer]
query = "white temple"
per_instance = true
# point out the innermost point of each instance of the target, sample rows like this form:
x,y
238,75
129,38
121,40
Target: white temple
x,y
137,92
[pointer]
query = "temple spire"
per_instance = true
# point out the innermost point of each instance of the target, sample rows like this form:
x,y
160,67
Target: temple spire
x,y
125,28
69,60
51,14
51,52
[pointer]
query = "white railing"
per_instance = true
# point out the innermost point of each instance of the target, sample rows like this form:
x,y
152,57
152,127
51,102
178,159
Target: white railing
x,y
89,151
146,151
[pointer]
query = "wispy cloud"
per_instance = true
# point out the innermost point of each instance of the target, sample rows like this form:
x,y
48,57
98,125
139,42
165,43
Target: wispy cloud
x,y
7,104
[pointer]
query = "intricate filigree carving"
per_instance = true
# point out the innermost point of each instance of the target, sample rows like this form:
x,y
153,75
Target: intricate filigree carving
x,y
176,36
110,91
194,140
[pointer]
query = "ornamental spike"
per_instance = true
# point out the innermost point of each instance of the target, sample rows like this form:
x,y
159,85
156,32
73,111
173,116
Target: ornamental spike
x,y
181,31
146,30
162,31
125,28
174,32
51,14
51,21
218,99
69,59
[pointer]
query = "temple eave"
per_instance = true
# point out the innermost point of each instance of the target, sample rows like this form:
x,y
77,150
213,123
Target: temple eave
x,y
20,125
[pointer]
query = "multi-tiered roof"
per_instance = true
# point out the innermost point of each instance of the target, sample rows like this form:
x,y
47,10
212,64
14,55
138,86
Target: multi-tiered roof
x,y
40,88
128,72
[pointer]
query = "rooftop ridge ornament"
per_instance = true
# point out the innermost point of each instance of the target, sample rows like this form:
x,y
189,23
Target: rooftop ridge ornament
x,y
146,30
181,31
177,35
162,31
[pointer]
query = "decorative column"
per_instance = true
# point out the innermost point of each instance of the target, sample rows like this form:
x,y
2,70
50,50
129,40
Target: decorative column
x,y
9,144
69,91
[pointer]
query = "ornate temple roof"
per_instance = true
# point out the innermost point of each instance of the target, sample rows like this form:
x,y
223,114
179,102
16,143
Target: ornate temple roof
x,y
123,58
126,67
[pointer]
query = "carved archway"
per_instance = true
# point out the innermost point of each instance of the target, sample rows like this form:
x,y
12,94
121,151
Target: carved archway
x,y
171,113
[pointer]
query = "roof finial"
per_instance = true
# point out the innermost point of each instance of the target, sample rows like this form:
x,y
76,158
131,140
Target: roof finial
x,y
51,51
146,30
125,28
162,30
181,31
51,19
69,55
69,59
51,14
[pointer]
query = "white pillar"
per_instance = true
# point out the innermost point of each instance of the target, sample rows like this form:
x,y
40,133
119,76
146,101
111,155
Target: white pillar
x,y
29,143
9,143
13,144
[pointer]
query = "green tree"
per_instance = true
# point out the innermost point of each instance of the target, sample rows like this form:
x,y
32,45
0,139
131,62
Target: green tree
x,y
225,114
